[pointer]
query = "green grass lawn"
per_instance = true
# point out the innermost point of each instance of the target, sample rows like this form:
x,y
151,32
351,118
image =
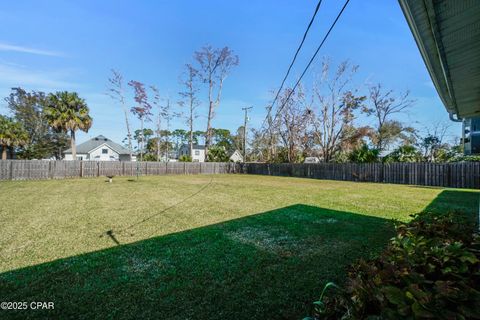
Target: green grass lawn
x,y
194,247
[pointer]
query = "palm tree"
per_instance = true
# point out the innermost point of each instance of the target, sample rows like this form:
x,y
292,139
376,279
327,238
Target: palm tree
x,y
67,112
12,134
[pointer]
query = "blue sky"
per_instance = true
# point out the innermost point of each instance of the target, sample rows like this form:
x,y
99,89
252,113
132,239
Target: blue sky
x,y
72,45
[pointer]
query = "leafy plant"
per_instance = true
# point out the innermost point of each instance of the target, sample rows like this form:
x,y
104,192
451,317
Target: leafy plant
x,y
12,134
364,155
185,158
431,269
320,306
465,158
405,153
217,154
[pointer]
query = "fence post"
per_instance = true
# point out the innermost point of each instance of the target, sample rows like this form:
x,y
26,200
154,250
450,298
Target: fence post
x,y
98,168
81,169
11,170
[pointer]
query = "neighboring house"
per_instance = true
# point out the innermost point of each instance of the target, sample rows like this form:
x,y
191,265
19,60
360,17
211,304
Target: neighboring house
x,y
198,152
101,149
312,160
236,156
172,157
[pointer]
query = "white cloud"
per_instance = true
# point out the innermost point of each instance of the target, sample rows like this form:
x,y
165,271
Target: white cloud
x,y
14,48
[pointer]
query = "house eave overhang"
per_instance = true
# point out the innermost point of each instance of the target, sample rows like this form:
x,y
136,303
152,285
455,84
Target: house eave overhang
x,y
447,34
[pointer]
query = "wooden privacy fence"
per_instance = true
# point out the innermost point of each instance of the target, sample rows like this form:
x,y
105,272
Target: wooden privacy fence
x,y
455,175
42,169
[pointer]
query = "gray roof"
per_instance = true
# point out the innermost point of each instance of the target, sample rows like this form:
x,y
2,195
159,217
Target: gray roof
x,y
447,33
195,146
96,142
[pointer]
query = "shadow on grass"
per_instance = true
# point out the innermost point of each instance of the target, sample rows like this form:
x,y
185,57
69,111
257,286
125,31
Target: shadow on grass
x,y
267,266
455,200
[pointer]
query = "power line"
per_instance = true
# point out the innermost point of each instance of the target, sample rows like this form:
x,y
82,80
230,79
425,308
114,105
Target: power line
x,y
309,63
293,60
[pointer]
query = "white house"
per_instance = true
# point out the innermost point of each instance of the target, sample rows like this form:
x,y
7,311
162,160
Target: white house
x,y
198,152
236,156
312,160
101,149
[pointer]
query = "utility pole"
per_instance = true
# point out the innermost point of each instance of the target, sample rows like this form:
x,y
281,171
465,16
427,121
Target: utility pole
x,y
245,133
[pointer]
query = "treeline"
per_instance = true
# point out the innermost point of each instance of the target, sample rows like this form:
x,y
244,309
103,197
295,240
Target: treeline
x,y
167,144
333,122
42,125
330,120
206,74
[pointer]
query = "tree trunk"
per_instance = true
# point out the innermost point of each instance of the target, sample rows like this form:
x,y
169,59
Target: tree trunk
x,y
141,141
167,158
208,134
158,147
4,152
158,136
191,132
72,143
129,134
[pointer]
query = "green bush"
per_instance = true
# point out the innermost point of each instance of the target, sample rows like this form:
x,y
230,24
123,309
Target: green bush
x,y
364,155
431,269
148,157
406,153
465,158
185,158
217,154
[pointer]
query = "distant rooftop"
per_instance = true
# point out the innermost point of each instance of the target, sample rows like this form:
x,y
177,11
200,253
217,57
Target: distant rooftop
x,y
96,142
195,146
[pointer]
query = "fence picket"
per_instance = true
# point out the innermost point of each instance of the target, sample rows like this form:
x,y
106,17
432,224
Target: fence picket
x,y
456,175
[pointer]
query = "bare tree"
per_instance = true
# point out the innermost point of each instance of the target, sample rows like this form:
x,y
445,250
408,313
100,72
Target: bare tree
x,y
434,140
143,109
261,146
294,118
334,106
116,91
168,116
189,99
383,104
160,114
214,66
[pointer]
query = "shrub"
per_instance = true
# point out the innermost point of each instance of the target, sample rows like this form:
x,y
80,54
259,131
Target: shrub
x,y
431,269
185,158
406,153
148,157
217,154
364,155
465,158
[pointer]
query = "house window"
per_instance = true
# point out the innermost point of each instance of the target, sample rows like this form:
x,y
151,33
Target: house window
x,y
104,151
79,158
197,152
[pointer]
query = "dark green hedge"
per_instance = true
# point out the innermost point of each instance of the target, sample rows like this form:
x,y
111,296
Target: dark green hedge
x,y
431,270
